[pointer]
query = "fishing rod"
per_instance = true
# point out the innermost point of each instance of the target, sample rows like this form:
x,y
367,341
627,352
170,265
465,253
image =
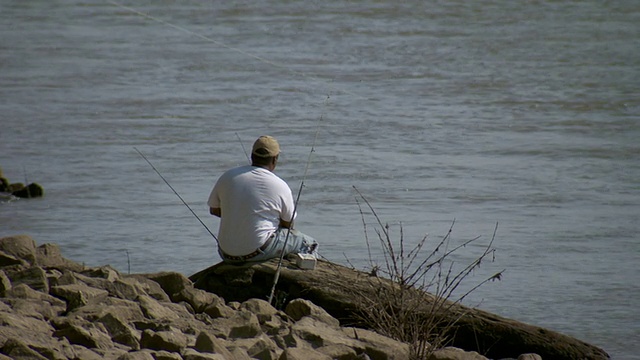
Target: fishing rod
x,y
295,207
243,149
175,192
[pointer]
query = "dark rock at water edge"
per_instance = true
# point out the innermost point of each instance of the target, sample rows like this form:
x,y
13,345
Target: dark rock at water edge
x,y
19,190
32,190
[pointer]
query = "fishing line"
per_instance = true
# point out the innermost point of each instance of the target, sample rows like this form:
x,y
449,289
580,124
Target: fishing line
x,y
175,192
243,149
240,51
295,206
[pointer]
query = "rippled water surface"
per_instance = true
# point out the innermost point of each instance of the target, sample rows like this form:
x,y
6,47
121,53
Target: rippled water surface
x,y
524,114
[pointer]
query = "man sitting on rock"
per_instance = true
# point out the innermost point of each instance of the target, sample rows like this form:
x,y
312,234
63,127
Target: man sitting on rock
x,y
256,210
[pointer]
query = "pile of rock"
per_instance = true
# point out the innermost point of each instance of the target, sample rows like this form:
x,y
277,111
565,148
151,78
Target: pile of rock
x,y
53,308
19,189
339,290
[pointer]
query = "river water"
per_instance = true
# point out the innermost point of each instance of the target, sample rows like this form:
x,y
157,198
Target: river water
x,y
521,114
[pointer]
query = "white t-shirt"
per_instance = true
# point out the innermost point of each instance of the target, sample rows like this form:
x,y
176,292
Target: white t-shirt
x,y
252,202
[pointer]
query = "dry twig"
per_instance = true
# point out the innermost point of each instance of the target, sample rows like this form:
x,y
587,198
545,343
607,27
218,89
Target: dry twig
x,y
423,288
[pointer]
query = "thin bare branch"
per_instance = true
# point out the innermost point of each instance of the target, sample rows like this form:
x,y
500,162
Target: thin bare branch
x,y
422,289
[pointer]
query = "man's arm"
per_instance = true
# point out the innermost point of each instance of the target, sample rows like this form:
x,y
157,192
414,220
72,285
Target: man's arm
x,y
215,211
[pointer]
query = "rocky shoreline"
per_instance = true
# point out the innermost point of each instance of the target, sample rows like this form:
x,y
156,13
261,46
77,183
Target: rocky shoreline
x,y
54,308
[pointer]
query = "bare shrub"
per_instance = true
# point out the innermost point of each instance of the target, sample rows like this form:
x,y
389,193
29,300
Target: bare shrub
x,y
421,304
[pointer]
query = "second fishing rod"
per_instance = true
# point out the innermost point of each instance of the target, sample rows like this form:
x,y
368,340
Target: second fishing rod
x,y
295,206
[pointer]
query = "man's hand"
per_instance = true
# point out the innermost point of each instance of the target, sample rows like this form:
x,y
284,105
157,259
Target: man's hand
x,y
215,211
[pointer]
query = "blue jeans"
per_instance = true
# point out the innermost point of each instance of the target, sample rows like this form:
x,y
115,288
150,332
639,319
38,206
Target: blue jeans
x,y
296,243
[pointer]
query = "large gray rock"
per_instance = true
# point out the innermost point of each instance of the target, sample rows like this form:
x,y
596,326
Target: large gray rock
x,y
451,353
242,324
49,256
298,308
171,282
123,288
217,310
261,308
46,346
303,354
72,351
318,333
192,354
103,272
33,308
112,353
89,335
207,342
5,283
23,291
147,286
120,331
245,324
239,354
156,310
339,352
172,341
34,276
19,246
198,299
12,321
34,338
128,311
258,347
143,354
17,349
165,355
77,295
10,260
377,346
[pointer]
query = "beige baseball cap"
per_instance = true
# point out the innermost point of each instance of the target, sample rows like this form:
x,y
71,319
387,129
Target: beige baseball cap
x,y
266,146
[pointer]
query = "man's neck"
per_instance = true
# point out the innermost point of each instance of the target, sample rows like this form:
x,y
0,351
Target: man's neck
x,y
266,167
